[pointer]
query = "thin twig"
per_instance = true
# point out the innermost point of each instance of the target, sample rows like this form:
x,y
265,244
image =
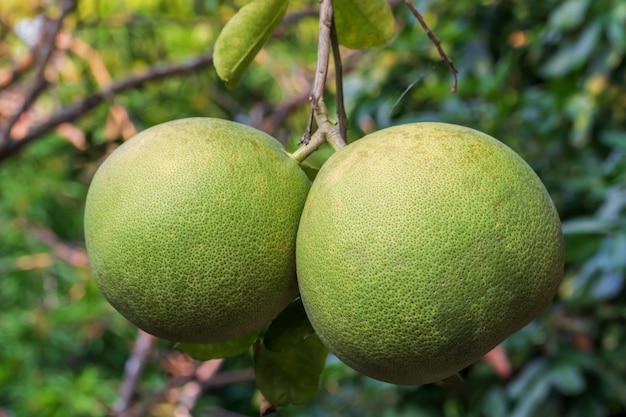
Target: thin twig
x,y
326,132
49,34
326,129
435,42
341,109
323,52
80,107
273,116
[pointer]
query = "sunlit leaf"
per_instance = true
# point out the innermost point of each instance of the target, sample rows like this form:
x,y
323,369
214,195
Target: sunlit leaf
x,y
291,327
244,35
363,24
291,376
205,352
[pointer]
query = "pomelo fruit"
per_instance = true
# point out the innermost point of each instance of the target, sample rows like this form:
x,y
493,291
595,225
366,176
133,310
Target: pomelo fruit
x,y
190,229
423,246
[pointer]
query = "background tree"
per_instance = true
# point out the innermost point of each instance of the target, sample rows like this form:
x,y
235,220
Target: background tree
x,y
78,77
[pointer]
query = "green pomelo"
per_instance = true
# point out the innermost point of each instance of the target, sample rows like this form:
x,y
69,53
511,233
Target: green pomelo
x,y
423,246
190,228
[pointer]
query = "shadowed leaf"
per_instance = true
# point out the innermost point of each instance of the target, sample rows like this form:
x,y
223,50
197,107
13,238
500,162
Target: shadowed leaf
x,y
309,170
291,327
291,376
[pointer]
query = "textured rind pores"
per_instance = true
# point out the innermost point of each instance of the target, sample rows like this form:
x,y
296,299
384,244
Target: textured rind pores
x,y
190,228
423,246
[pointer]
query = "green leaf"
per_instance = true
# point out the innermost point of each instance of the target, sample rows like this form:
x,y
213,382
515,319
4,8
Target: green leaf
x,y
291,376
205,352
495,402
532,400
363,24
310,170
567,379
568,14
244,35
533,372
571,55
452,380
291,327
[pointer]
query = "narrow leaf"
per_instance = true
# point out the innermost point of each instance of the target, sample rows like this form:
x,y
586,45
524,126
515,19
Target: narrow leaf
x,y
205,352
291,327
244,35
291,376
363,24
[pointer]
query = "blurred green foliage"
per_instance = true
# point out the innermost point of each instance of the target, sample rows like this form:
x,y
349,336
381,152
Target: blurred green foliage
x,y
547,78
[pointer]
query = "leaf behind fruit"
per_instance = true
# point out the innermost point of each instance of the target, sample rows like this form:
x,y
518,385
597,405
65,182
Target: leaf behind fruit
x,y
291,376
290,328
205,352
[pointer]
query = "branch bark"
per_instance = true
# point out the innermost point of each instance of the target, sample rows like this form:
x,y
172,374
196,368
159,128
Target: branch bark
x,y
321,70
326,130
132,371
220,379
341,109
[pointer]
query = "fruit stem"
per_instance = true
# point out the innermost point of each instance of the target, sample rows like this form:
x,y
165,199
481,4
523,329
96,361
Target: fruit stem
x,y
327,131
306,149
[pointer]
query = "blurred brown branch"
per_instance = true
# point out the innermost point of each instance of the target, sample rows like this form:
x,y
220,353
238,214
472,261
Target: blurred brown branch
x,y
74,255
189,379
43,52
133,369
119,122
80,107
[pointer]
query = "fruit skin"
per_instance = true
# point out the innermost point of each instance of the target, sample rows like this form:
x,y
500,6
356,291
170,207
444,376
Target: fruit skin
x,y
423,246
190,228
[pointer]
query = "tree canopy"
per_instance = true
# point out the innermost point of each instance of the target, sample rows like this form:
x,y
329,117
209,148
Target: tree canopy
x,y
78,78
